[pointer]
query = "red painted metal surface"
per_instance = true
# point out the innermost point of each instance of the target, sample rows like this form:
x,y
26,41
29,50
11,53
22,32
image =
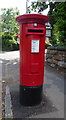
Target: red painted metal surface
x,y
31,18
32,63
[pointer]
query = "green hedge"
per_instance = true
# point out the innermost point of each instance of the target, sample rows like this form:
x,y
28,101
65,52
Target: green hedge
x,y
8,42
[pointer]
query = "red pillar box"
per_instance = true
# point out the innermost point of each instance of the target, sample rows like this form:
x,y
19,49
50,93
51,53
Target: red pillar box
x,y
32,48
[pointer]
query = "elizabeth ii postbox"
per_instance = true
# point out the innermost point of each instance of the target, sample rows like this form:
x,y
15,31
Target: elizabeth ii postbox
x,y
32,48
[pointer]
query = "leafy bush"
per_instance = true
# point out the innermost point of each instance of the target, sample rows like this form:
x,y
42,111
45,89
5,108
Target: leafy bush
x,y
58,36
8,42
58,32
0,42
9,28
47,44
60,45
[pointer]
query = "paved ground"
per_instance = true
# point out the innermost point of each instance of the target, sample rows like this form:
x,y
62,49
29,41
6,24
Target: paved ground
x,y
52,105
6,60
0,89
0,100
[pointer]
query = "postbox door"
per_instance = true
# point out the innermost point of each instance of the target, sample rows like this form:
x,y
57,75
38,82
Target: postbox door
x,y
32,63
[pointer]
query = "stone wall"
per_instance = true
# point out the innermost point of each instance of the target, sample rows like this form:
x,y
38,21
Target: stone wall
x,y
55,57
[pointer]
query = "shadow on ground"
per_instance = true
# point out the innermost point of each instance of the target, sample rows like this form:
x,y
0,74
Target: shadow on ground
x,y
56,76
20,111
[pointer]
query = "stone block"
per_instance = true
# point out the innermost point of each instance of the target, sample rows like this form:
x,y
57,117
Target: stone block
x,y
62,64
56,57
59,57
49,60
52,65
52,52
55,61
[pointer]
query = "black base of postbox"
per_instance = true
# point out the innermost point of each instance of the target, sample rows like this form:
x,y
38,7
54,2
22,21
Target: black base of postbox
x,y
30,96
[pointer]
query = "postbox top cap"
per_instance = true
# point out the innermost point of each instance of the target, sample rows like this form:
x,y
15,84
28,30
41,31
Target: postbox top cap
x,y
29,18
